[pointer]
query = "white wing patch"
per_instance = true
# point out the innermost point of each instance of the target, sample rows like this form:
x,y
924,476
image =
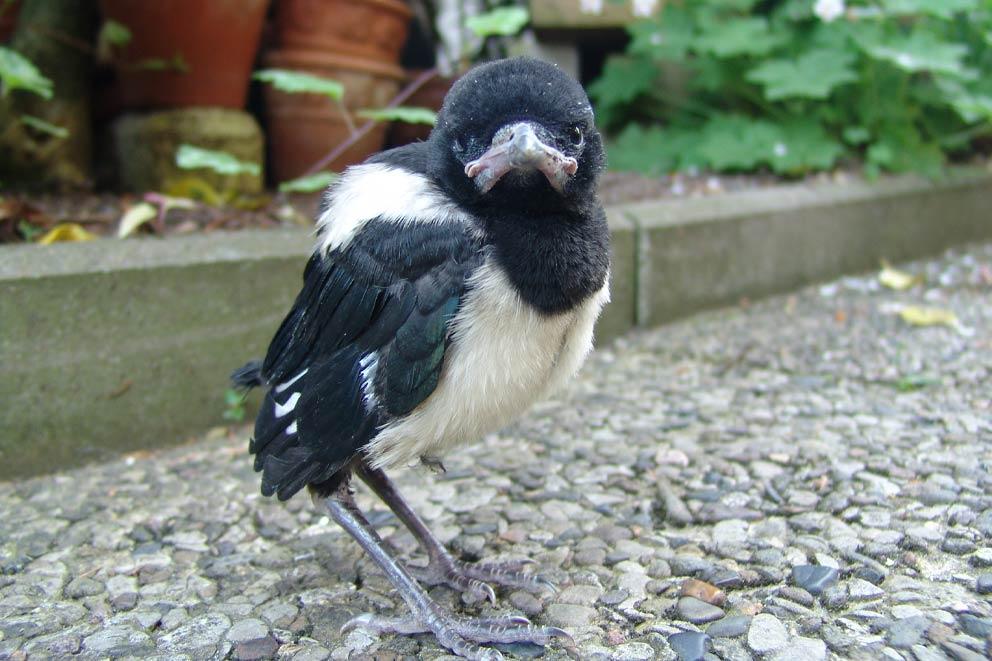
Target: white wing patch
x,y
284,409
369,364
504,357
282,386
376,190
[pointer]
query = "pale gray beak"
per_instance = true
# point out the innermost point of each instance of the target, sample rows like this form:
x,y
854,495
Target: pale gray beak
x,y
517,147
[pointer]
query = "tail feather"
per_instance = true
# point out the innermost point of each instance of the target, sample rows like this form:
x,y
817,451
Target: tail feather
x,y
248,376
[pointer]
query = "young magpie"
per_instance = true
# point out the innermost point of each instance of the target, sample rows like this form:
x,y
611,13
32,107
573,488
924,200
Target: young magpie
x,y
454,283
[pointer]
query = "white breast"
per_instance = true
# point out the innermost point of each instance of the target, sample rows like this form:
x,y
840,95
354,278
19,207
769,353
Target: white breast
x,y
504,357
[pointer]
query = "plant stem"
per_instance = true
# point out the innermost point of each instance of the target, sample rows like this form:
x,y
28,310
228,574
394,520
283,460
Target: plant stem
x,y
364,130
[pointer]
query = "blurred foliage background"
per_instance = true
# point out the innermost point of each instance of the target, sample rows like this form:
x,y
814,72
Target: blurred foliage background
x,y
800,85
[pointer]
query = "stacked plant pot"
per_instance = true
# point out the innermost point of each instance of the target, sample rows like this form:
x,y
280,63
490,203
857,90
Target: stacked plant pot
x,y
355,42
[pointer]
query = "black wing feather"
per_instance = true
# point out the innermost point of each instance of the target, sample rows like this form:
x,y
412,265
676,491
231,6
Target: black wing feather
x,y
393,290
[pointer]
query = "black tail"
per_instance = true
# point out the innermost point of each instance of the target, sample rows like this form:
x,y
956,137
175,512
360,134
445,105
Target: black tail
x,y
249,376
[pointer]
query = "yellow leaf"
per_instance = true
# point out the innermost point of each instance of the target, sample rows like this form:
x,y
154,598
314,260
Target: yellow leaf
x,y
896,279
196,189
924,316
135,217
66,232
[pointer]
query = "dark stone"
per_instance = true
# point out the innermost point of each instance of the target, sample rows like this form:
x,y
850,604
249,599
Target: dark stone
x,y
984,584
614,557
253,650
521,650
814,578
870,574
613,597
957,546
689,565
698,611
979,627
689,645
723,578
729,627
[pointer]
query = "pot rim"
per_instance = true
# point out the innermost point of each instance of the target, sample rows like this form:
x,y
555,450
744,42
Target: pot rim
x,y
301,58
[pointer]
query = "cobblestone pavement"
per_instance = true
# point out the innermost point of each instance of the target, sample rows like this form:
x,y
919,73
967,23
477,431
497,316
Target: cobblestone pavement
x,y
803,478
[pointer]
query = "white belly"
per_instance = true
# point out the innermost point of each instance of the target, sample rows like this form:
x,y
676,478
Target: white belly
x,y
504,357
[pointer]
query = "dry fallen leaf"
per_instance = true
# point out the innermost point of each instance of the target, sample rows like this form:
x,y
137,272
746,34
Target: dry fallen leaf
x,y
66,232
895,279
711,594
918,315
134,218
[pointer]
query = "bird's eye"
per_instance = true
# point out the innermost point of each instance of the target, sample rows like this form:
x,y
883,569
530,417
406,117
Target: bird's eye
x,y
575,135
457,146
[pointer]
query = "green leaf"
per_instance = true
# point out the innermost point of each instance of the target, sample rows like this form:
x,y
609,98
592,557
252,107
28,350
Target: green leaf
x,y
739,36
113,33
501,22
39,124
668,37
804,146
921,51
310,183
623,80
18,72
856,135
734,142
654,150
234,405
971,105
408,114
812,75
189,157
297,82
945,9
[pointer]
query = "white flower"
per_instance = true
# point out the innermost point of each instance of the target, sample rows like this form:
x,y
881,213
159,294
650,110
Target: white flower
x,y
591,6
829,10
644,7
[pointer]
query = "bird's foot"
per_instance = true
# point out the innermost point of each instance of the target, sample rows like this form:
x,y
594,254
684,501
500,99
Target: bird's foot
x,y
462,635
476,579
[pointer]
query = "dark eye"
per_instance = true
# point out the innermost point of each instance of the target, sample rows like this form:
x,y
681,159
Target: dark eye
x,y
576,137
457,146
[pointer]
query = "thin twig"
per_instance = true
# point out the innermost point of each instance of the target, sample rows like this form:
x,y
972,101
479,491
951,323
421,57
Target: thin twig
x,y
347,143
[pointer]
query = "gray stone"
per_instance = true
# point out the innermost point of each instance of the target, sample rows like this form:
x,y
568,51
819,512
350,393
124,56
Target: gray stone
x,y
802,649
200,636
907,632
689,645
117,640
698,611
861,590
570,615
632,652
83,587
766,634
814,578
729,627
247,630
979,627
983,584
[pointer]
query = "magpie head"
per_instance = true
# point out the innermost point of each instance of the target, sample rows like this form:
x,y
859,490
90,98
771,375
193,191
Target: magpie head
x,y
517,131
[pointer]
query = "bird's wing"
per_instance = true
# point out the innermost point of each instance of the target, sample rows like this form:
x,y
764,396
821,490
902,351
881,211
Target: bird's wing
x,y
363,344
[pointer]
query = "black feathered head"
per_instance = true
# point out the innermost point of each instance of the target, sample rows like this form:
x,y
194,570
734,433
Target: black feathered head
x,y
517,131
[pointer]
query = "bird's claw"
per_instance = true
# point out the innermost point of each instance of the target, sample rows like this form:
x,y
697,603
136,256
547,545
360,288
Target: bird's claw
x,y
462,635
476,579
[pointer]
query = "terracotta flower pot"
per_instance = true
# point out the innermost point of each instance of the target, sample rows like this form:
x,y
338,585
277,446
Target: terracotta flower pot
x,y
374,29
8,19
303,128
214,41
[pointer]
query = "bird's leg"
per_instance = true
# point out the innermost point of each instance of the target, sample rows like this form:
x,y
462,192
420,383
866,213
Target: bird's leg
x,y
442,568
458,634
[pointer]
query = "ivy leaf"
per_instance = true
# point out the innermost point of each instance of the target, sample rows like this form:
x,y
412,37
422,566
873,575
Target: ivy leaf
x,y
18,72
945,9
189,157
39,124
921,51
739,36
408,114
623,80
501,22
813,75
310,183
297,82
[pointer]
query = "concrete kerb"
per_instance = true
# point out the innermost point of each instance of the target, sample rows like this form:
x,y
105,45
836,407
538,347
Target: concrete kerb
x,y
108,346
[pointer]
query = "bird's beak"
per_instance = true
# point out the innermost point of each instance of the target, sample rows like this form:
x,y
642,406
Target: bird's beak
x,y
517,147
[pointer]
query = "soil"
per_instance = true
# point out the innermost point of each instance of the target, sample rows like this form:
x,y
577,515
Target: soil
x,y
28,216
